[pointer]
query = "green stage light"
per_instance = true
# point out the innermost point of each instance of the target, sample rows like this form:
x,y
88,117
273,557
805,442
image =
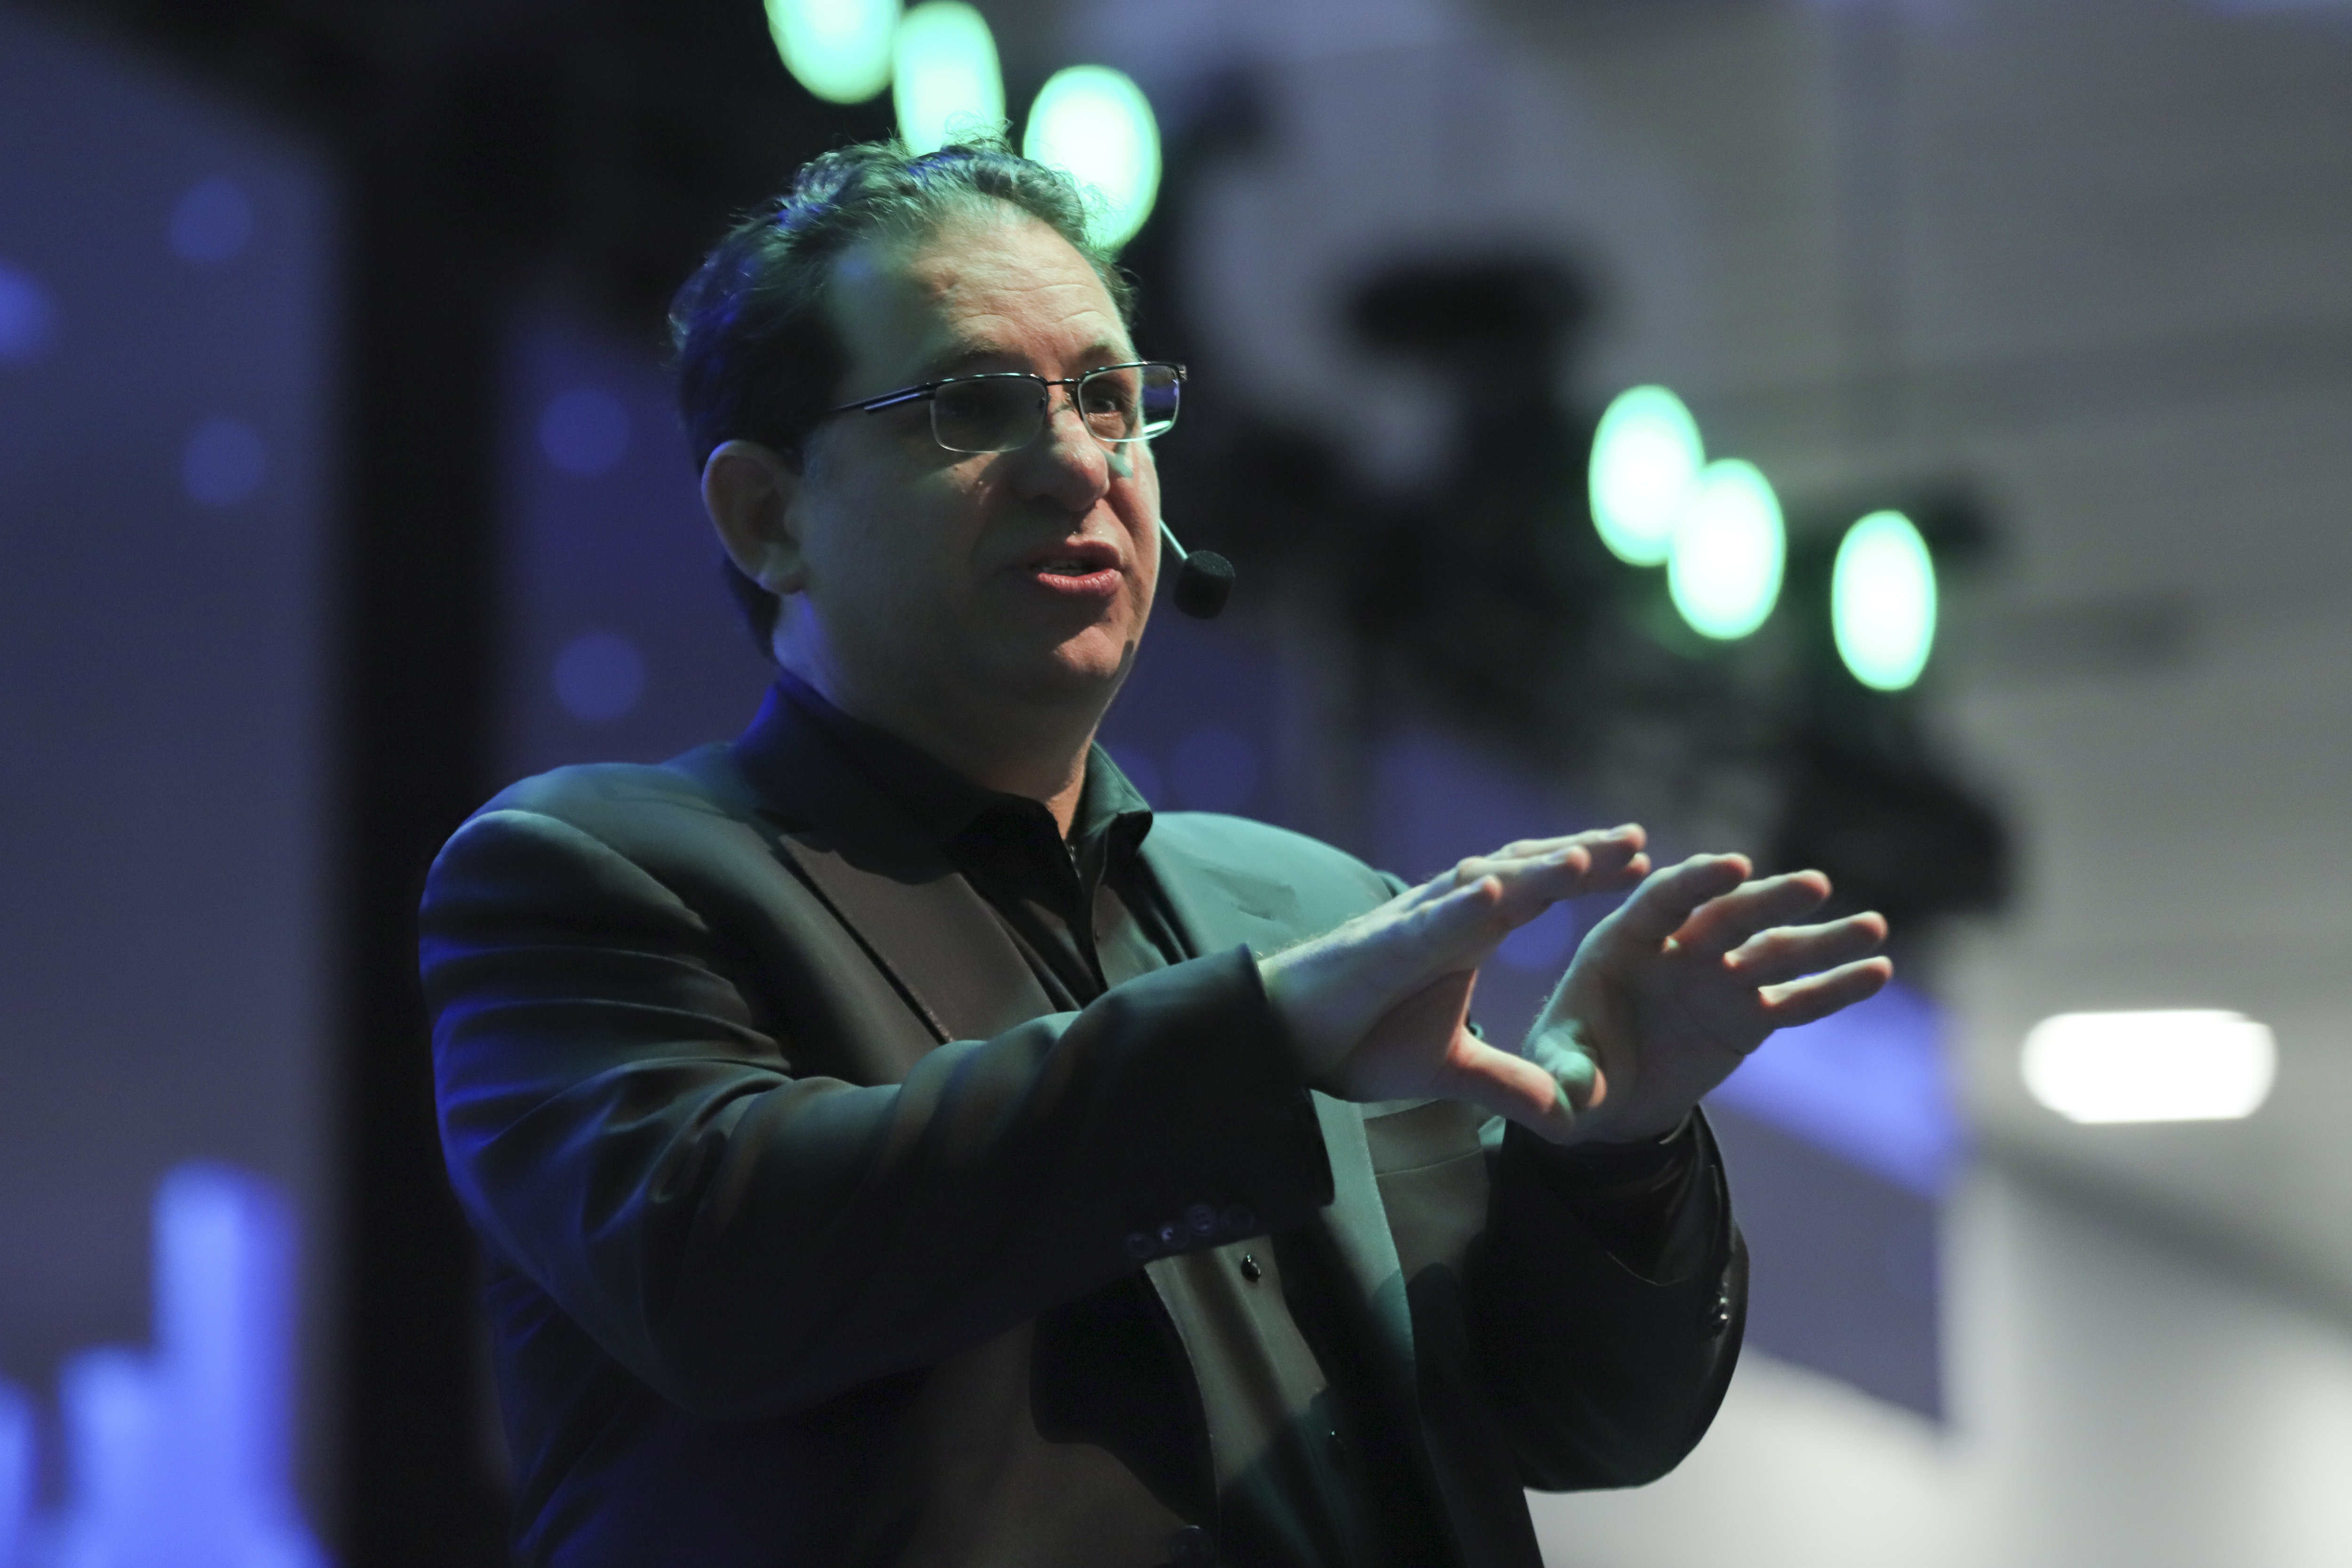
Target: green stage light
x,y
1645,455
1883,601
945,82
838,49
1095,124
1723,565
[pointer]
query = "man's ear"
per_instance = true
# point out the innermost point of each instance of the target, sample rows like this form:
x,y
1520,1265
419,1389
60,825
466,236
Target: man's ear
x,y
748,490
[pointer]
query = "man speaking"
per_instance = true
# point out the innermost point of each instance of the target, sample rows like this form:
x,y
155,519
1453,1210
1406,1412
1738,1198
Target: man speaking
x,y
894,1144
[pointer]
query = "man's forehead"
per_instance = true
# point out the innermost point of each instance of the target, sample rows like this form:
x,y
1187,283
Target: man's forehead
x,y
976,287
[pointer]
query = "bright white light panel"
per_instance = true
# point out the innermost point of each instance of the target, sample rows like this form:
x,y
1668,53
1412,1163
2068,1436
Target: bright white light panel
x,y
2188,1066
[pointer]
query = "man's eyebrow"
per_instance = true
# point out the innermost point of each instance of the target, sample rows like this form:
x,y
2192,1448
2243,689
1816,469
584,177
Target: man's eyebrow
x,y
956,360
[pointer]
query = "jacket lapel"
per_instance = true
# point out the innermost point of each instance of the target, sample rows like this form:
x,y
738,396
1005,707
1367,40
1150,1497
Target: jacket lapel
x,y
1218,906
887,883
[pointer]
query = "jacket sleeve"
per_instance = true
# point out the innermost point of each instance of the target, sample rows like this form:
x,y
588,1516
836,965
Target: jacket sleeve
x,y
1606,1363
622,1122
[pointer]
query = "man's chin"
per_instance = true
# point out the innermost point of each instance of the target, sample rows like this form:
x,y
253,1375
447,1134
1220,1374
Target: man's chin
x,y
1090,664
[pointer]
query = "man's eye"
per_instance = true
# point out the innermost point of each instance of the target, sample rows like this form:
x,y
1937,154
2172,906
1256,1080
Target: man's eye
x,y
1108,396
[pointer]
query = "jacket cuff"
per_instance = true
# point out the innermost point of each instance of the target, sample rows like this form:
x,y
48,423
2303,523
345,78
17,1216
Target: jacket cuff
x,y
1245,1155
1650,1204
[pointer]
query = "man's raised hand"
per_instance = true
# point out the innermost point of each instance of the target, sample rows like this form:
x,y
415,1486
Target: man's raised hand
x,y
1377,1008
1673,991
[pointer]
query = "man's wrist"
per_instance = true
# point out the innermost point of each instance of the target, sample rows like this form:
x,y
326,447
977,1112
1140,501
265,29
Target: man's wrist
x,y
1628,1157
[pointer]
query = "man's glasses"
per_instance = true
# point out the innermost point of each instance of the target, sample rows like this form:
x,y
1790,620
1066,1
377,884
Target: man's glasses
x,y
1004,411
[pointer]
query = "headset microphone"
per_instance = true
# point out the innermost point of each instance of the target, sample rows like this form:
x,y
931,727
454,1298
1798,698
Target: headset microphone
x,y
1204,578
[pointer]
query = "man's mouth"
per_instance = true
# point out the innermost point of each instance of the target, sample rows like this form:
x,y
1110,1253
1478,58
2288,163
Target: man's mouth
x,y
1081,569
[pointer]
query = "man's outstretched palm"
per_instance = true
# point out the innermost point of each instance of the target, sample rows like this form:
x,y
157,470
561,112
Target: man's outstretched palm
x,y
1673,991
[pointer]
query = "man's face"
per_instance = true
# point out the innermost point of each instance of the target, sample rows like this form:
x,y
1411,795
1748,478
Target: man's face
x,y
1025,575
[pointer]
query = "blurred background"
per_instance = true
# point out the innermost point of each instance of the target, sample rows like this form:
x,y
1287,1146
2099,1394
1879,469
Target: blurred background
x,y
339,487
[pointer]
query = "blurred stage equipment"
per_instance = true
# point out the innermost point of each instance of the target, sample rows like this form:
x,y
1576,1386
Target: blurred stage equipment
x,y
1772,686
181,1456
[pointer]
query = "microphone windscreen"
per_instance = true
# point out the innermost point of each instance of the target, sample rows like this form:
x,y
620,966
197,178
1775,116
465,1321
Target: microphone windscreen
x,y
1203,584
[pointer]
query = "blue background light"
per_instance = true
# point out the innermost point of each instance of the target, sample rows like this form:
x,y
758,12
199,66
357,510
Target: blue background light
x,y
585,431
1868,1084
599,676
223,463
211,221
1214,768
28,319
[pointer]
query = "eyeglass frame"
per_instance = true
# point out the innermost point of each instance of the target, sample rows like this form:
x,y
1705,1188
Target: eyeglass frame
x,y
929,392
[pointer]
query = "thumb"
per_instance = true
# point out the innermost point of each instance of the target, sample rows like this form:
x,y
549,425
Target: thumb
x,y
1558,1051
1510,1086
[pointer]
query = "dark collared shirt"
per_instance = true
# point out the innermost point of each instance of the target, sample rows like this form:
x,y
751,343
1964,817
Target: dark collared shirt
x,y
1291,1474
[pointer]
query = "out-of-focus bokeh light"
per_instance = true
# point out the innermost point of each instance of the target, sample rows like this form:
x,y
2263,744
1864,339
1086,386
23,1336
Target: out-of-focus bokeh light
x,y
1883,601
599,676
838,49
1095,124
1868,1084
223,463
945,82
2188,1066
28,319
1645,456
1724,559
183,1454
211,221
583,431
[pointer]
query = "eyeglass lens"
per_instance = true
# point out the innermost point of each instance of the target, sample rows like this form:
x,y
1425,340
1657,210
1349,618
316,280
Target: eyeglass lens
x,y
1000,413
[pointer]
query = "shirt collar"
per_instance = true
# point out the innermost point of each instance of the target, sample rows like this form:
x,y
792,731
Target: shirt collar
x,y
943,803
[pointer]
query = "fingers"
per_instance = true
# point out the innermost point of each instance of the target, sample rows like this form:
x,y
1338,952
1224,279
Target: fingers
x,y
1663,905
1724,923
1817,996
1438,934
1605,848
1536,873
1785,952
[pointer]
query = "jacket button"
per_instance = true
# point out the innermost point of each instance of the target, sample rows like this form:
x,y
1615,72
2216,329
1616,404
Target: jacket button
x,y
1139,1245
1173,1235
1250,1271
1202,1220
1718,1317
1239,1220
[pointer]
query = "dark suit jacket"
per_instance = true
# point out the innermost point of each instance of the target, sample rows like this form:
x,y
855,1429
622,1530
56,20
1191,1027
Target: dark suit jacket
x,y
776,1156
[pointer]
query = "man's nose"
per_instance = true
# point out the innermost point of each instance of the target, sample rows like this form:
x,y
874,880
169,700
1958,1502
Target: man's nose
x,y
1065,462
